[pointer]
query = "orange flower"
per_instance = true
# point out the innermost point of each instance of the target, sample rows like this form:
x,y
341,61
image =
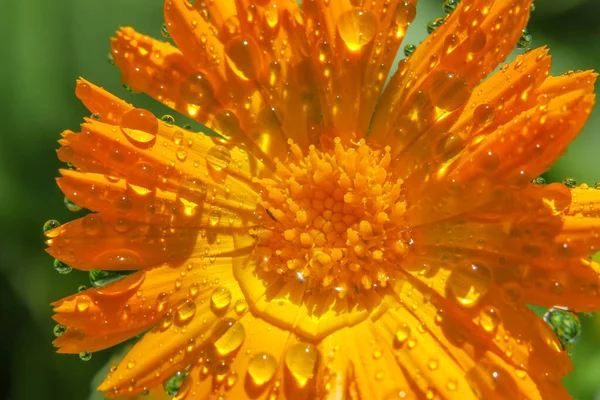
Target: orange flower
x,y
332,242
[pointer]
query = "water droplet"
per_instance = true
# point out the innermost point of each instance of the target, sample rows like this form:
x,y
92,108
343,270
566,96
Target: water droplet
x,y
483,115
565,324
449,6
139,127
174,383
81,288
569,182
262,368
231,339
168,119
244,57
218,157
161,301
71,206
226,123
194,290
215,217
166,321
356,28
185,312
434,24
489,319
525,40
92,224
468,283
433,364
85,356
59,330
540,180
488,381
301,360
50,224
118,260
272,15
62,268
220,298
100,278
181,155
164,31
409,49
240,306
447,147
83,303
402,333
448,90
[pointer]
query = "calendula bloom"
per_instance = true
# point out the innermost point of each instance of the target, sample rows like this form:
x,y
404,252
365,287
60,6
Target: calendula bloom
x,y
341,238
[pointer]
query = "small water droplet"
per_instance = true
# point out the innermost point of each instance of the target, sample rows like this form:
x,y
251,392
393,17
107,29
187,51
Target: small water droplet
x,y
241,306
59,330
231,339
357,28
139,127
218,157
565,324
301,360
85,356
168,119
71,206
62,268
173,384
220,298
244,57
448,90
262,368
185,312
50,224
468,283
489,319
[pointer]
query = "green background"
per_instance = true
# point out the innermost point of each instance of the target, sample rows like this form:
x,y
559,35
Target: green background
x,y
48,44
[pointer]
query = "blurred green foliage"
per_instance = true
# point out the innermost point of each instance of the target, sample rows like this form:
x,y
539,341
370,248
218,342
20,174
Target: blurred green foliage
x,y
46,46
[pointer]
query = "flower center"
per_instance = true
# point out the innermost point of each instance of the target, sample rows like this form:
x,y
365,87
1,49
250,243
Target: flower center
x,y
335,219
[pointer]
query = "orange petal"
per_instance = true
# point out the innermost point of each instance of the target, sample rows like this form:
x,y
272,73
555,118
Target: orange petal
x,y
433,85
528,353
352,51
249,50
495,102
177,341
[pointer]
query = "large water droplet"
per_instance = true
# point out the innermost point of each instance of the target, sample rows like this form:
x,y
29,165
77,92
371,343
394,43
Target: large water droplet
x,y
118,260
218,157
231,339
262,368
185,312
62,268
357,28
301,360
100,278
565,324
140,127
220,298
174,383
468,283
197,90
244,57
59,330
50,224
448,91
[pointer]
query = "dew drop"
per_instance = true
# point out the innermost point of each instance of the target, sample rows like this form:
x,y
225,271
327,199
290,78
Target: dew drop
x,y
272,15
173,384
409,49
402,334
301,360
220,298
59,330
489,319
71,206
468,283
231,339
241,306
92,224
215,217
194,289
565,324
262,368
83,303
356,28
85,356
139,127
181,155
168,119
100,278
185,312
447,147
244,57
226,123
50,224
62,268
483,115
118,260
448,90
197,91
161,301
218,157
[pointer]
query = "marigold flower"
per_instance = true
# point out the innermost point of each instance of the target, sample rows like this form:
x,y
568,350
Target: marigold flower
x,y
340,238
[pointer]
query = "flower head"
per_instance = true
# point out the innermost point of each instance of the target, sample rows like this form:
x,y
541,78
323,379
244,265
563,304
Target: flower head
x,y
339,238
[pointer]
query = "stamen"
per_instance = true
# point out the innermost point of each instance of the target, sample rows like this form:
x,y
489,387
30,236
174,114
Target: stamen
x,y
335,218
